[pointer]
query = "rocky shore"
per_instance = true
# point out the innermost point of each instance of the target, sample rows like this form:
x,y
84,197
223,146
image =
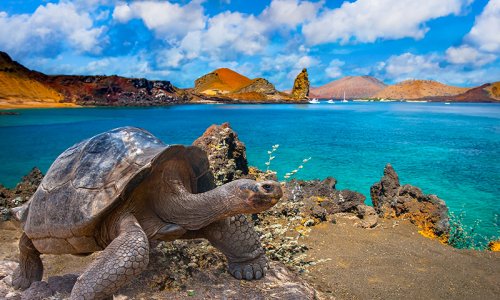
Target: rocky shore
x,y
324,243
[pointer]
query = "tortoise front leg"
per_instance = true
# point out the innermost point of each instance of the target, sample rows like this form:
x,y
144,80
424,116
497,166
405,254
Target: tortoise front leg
x,y
237,239
30,267
125,257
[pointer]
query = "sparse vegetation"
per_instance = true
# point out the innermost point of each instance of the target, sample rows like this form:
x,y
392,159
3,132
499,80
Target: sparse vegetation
x,y
466,237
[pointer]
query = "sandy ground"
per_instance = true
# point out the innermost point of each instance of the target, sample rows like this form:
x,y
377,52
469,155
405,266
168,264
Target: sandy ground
x,y
391,261
15,104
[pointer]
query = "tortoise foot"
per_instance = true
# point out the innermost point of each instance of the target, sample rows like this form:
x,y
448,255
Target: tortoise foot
x,y
30,267
249,270
23,281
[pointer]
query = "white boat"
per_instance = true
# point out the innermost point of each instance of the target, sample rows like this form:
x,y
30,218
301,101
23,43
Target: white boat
x,y
330,101
344,98
448,103
417,101
314,101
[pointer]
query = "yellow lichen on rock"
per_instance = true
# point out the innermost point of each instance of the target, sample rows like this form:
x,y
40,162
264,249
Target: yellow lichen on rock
x,y
494,246
301,86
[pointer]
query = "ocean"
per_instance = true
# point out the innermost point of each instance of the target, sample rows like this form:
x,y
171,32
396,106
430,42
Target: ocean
x,y
452,151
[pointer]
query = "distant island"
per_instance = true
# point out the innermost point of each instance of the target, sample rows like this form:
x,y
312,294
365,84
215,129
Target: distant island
x,y
24,88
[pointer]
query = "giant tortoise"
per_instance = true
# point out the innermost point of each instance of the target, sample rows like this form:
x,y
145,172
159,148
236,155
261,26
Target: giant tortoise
x,y
121,189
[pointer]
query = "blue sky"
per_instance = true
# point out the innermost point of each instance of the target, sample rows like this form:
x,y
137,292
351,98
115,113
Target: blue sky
x,y
454,41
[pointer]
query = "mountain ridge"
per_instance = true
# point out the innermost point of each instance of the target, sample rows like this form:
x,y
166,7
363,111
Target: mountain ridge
x,y
353,86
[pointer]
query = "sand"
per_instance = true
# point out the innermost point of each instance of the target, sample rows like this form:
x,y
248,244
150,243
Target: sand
x,y
391,261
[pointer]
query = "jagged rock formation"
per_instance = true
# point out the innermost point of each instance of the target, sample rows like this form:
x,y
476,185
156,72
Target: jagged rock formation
x,y
353,86
116,90
20,194
301,86
21,87
259,85
226,153
418,89
391,200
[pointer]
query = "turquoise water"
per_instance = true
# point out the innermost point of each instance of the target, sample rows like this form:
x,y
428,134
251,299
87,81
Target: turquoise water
x,y
449,150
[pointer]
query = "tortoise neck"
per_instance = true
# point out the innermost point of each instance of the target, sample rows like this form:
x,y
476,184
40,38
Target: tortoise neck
x,y
195,211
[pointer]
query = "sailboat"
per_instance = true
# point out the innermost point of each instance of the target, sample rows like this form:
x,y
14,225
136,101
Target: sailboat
x,y
344,98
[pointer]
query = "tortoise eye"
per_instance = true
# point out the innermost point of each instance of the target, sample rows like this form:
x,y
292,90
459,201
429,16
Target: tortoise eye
x,y
267,187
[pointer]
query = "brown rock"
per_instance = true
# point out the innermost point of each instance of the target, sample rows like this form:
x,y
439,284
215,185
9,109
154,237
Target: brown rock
x,y
428,212
20,194
301,86
368,215
226,153
259,85
38,290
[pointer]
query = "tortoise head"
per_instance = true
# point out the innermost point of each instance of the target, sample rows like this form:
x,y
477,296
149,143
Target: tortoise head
x,y
257,196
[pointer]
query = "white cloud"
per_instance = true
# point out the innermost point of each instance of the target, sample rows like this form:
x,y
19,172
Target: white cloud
x,y
243,33
468,55
482,44
167,20
334,68
49,27
410,66
226,35
369,20
485,34
290,13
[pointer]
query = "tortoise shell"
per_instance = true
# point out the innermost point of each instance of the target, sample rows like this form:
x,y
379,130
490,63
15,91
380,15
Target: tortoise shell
x,y
90,179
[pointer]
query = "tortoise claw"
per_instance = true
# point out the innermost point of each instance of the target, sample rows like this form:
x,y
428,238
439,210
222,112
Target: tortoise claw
x,y
249,270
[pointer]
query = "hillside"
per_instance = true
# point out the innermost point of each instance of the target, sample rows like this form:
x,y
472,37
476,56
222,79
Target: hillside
x,y
494,90
353,86
418,89
18,89
220,81
24,88
227,85
489,92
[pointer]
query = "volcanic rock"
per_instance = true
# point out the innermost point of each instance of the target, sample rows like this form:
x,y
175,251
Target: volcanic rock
x,y
391,200
259,85
20,194
301,86
21,87
323,192
226,153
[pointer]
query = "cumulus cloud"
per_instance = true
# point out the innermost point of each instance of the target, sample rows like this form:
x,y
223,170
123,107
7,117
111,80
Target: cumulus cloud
x,y
432,66
468,55
482,44
50,27
369,20
408,66
290,13
485,34
167,20
334,68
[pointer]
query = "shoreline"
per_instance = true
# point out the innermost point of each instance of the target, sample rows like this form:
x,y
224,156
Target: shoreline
x,y
41,105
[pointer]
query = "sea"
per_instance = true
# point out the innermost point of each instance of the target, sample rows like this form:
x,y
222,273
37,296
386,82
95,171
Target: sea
x,y
452,151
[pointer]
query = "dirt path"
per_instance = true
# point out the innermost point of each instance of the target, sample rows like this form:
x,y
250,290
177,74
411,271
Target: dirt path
x,y
393,261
